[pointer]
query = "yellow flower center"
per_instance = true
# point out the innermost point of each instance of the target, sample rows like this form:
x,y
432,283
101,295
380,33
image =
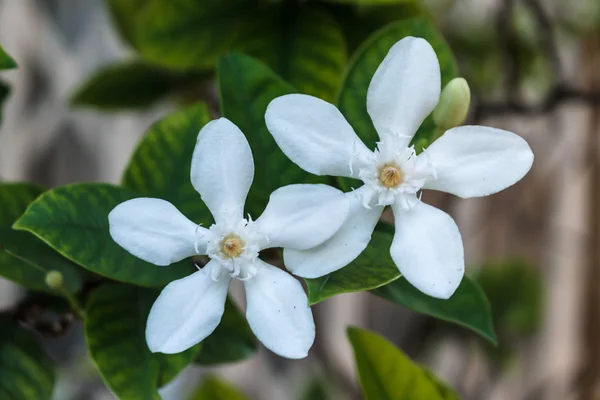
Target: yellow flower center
x,y
390,176
232,245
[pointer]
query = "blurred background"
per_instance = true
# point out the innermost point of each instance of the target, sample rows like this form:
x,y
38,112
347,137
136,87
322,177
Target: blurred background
x,y
534,69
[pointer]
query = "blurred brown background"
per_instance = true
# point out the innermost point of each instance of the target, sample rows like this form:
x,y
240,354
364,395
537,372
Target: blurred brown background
x,y
534,68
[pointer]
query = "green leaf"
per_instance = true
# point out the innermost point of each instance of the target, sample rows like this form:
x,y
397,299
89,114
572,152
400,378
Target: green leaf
x,y
4,92
373,268
25,259
26,372
124,13
6,61
73,219
231,341
372,2
352,99
246,87
129,85
468,306
114,326
318,389
160,166
214,388
387,374
187,34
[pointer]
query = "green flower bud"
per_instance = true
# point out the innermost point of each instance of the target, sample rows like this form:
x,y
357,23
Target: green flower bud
x,y
54,280
454,103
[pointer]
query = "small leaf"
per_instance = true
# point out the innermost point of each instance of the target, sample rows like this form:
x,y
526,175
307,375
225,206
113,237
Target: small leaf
x,y
246,87
6,61
131,85
124,13
373,268
352,99
160,166
73,219
214,388
468,306
231,341
114,326
387,374
26,373
25,259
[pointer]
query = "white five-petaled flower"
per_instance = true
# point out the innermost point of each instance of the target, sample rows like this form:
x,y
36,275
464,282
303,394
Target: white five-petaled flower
x,y
188,310
468,161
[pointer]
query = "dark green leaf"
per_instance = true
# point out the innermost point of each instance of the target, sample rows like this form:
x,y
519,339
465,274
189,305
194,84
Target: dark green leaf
x,y
318,389
214,388
231,341
468,306
352,99
246,87
387,374
24,258
4,92
160,167
115,323
124,13
73,219
6,61
373,268
26,373
125,86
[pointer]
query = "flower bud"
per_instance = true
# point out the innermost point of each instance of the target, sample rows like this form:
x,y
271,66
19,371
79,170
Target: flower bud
x,y
54,280
454,103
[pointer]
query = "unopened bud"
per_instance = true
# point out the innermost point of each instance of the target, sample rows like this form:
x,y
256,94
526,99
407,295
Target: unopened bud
x,y
54,280
454,103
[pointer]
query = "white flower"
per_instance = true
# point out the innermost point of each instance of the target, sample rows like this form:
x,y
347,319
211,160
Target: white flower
x,y
468,161
188,310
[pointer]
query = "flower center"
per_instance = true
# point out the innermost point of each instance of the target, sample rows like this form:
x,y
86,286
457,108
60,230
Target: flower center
x,y
232,245
390,176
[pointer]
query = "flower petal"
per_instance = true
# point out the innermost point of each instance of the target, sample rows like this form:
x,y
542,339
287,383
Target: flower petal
x,y
342,248
278,312
315,135
302,216
404,90
222,169
474,161
155,231
428,249
187,311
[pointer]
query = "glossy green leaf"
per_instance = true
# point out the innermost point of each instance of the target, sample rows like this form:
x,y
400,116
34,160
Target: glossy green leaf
x,y
468,306
6,61
188,34
73,219
352,99
232,340
130,85
373,268
124,13
26,372
25,259
114,326
387,374
160,166
213,388
246,87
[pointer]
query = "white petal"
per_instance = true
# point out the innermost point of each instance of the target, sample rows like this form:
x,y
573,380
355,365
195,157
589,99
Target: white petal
x,y
222,169
155,231
343,247
186,311
428,249
315,135
404,90
474,161
278,312
302,216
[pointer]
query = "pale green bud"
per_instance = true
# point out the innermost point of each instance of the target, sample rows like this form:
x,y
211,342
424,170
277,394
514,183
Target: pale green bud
x,y
54,280
454,103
